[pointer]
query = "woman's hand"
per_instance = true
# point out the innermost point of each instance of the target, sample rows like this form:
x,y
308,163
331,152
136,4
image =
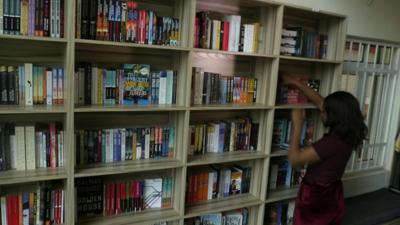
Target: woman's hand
x,y
286,78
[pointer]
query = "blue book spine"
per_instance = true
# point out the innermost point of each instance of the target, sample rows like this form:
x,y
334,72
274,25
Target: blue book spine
x,y
221,137
143,141
119,145
150,32
166,143
115,149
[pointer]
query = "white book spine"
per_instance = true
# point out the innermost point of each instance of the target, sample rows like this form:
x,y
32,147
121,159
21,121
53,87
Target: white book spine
x,y
38,138
163,90
1,19
210,185
237,32
169,90
49,87
57,17
232,137
28,84
52,19
61,162
62,206
251,38
3,210
13,149
123,147
43,150
30,147
147,144
246,38
20,151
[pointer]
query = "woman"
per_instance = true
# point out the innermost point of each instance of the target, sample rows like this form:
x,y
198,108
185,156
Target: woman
x,y
320,199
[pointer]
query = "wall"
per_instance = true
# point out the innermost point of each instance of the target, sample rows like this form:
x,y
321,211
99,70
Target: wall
x,y
379,20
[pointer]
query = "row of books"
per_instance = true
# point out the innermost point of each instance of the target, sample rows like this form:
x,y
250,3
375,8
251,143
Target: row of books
x,y
96,196
40,18
283,175
282,133
124,144
123,21
227,34
31,146
31,85
299,42
223,136
280,214
217,182
288,94
42,206
213,88
234,217
133,84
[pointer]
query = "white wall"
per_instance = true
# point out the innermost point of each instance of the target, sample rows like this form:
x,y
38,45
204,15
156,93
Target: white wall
x,y
379,20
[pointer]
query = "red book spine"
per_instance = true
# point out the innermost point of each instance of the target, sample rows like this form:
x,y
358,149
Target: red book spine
x,y
57,207
46,18
226,36
123,197
117,198
142,26
61,18
132,194
108,199
195,188
113,200
196,32
53,145
137,195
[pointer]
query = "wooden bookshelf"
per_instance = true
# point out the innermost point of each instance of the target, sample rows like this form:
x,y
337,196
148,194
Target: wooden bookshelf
x,y
264,65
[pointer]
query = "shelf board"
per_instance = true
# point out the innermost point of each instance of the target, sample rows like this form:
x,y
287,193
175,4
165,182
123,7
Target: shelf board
x,y
149,216
276,152
36,109
282,194
30,38
295,106
313,60
221,205
130,45
126,167
27,176
212,107
125,108
212,51
212,158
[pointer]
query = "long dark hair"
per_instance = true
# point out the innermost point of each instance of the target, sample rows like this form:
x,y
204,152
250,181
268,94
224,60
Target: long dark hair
x,y
344,118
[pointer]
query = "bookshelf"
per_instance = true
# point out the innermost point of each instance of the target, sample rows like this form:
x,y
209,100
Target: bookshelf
x,y
263,64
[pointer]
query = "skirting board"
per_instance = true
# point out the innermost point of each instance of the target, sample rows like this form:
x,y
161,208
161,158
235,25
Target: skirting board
x,y
363,182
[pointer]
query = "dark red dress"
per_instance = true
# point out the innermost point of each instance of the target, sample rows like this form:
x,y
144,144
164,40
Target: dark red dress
x,y
320,199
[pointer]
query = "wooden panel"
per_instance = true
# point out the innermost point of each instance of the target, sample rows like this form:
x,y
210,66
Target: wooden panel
x,y
126,167
145,217
220,205
283,194
227,157
17,177
36,109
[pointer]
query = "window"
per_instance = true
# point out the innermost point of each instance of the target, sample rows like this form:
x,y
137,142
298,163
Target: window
x,y
371,73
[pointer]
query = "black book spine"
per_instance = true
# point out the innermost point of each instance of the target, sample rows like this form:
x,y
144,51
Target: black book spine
x,y
85,19
48,160
88,85
3,85
93,19
9,129
241,40
11,86
174,86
